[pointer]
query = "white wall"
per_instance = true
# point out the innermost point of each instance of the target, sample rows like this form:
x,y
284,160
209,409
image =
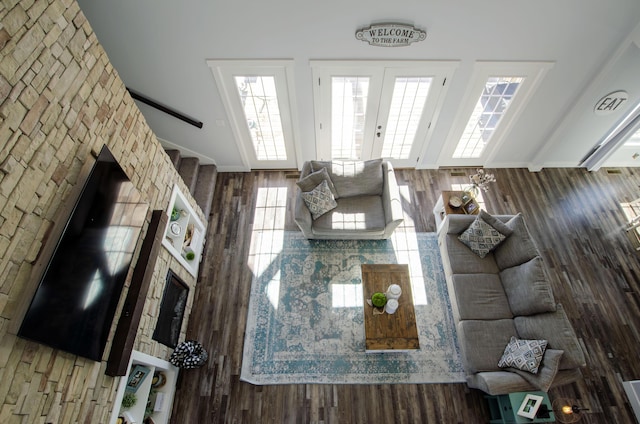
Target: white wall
x,y
160,47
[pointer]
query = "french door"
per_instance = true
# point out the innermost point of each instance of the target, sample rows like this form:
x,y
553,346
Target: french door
x,y
371,109
258,97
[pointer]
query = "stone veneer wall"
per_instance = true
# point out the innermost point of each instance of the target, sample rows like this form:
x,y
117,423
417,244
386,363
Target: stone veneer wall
x,y
60,101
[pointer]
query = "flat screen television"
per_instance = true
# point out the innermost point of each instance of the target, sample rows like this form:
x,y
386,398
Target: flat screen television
x,y
76,299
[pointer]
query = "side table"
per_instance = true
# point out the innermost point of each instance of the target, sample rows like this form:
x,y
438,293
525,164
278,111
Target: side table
x,y
504,409
443,208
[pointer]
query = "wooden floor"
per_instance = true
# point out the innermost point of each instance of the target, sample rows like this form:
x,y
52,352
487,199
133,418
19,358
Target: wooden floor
x,y
577,222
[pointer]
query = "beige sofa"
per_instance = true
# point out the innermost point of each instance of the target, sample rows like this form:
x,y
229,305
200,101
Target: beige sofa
x,y
367,200
505,294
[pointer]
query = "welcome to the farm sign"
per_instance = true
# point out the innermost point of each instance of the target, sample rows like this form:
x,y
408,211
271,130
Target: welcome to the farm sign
x,y
391,35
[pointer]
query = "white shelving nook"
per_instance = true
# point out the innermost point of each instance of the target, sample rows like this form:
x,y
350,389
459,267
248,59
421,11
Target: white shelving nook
x,y
184,232
161,398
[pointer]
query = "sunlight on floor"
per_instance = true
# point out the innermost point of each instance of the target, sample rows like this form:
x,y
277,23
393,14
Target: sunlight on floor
x,y
405,243
267,238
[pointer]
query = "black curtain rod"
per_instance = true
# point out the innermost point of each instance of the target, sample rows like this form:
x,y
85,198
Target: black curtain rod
x,y
163,108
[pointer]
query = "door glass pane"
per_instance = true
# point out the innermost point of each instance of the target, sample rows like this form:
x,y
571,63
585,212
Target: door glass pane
x,y
486,116
407,103
260,106
348,110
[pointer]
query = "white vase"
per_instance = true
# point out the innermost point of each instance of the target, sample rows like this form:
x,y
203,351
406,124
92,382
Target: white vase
x,y
391,306
394,291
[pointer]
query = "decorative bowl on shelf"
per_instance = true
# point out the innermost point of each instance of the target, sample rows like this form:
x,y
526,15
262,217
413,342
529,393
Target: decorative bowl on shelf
x,y
455,202
159,380
175,228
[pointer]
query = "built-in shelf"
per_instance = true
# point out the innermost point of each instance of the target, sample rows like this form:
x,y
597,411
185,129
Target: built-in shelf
x,y
152,401
184,232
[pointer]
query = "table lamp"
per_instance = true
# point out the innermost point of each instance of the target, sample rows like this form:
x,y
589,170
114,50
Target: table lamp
x,y
567,411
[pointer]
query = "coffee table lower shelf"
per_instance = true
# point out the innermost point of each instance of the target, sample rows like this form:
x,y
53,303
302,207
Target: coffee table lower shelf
x,y
389,332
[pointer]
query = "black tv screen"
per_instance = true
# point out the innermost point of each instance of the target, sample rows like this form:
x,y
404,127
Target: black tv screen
x,y
76,299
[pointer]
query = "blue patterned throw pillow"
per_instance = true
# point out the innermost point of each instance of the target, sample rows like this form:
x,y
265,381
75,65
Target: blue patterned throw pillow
x,y
524,355
481,237
320,200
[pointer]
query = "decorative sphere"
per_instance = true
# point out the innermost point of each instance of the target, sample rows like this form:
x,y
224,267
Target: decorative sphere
x,y
379,299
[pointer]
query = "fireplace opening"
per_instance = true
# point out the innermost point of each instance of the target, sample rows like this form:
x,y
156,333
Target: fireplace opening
x,y
174,302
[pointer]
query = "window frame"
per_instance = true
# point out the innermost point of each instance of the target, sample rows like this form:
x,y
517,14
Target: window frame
x,y
532,72
224,72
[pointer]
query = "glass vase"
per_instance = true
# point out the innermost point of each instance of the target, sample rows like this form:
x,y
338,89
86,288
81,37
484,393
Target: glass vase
x,y
472,191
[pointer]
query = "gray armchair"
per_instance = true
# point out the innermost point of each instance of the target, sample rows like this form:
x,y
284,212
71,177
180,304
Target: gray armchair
x,y
367,200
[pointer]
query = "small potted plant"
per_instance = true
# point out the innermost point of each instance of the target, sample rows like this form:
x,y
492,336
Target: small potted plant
x,y
128,400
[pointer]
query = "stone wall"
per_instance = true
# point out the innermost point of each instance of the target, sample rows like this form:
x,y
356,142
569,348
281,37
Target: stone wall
x,y
60,101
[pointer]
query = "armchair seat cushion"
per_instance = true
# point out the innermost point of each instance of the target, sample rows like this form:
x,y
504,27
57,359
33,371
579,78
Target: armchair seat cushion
x,y
355,214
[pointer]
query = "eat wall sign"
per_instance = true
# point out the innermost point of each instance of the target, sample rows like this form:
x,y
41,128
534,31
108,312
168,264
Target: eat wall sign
x,y
610,103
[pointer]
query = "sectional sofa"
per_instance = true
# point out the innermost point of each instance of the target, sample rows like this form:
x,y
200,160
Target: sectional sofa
x,y
504,308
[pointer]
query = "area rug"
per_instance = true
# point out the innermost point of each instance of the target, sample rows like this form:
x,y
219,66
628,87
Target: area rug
x,y
305,321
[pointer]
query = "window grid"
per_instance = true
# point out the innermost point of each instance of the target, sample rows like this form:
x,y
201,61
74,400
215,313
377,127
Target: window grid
x,y
349,97
260,105
490,108
407,104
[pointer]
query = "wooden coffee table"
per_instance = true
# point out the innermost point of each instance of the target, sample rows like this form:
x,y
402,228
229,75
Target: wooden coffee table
x,y
389,332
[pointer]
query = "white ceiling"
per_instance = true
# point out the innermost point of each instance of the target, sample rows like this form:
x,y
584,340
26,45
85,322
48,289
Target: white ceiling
x,y
160,48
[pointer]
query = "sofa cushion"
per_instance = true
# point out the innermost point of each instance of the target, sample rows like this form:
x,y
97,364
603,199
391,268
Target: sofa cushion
x,y
499,382
523,354
518,247
482,343
480,296
312,180
354,178
495,223
461,260
362,214
319,200
557,330
527,289
547,371
481,237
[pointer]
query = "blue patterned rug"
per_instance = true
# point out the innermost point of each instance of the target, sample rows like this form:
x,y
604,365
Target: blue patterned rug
x,y
305,322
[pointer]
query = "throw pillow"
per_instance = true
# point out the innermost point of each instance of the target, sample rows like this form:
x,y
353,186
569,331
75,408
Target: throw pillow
x,y
481,237
556,328
524,355
320,200
312,180
495,223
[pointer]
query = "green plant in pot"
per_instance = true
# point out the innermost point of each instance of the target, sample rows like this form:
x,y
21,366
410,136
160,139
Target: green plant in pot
x,y
129,399
379,299
190,256
175,214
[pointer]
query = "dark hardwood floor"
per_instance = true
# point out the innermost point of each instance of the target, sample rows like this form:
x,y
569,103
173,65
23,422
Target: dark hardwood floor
x,y
577,221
